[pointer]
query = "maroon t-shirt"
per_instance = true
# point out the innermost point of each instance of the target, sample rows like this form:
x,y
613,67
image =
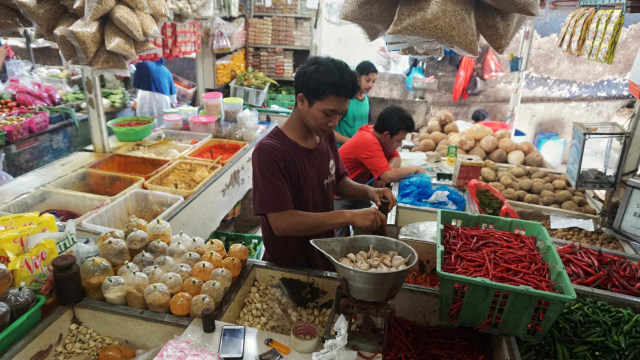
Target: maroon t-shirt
x,y
288,176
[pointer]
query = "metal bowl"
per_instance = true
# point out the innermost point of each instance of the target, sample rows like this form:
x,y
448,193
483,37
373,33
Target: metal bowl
x,y
365,285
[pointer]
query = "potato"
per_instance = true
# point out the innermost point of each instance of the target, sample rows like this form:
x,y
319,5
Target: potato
x,y
526,147
478,151
533,170
479,131
517,172
433,126
548,200
521,194
498,155
444,142
498,186
489,143
443,150
539,175
532,199
437,137
452,135
451,128
507,145
415,149
526,184
548,186
461,152
488,174
506,181
423,130
559,184
427,145
533,159
547,193
444,117
554,206
510,194
491,165
588,210
415,142
570,205
467,143
423,137
537,188
502,134
515,185
516,157
563,196
580,201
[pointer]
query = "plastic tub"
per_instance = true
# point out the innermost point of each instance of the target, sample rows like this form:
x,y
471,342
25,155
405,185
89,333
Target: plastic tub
x,y
216,150
496,125
172,121
160,151
130,165
203,124
24,323
212,103
17,131
232,107
155,182
141,203
180,137
187,112
133,133
97,183
54,199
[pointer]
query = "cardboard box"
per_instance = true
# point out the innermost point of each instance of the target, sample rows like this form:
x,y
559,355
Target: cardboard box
x,y
467,168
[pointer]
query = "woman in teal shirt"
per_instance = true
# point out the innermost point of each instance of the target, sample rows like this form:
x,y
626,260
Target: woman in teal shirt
x,y
358,113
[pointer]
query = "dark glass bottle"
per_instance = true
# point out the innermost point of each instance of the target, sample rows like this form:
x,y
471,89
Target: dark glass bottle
x,y
67,282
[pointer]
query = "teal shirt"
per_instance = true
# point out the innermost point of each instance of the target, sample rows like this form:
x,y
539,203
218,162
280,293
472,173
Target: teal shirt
x,y
357,115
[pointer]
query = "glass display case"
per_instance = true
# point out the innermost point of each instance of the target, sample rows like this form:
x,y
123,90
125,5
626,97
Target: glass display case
x,y
628,218
595,155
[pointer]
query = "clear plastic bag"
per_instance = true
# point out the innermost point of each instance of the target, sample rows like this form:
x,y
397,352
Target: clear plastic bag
x,y
115,251
4,176
154,273
114,290
184,270
5,316
93,272
223,276
137,241
67,49
157,297
496,26
374,16
140,5
436,19
157,248
127,21
116,234
173,281
177,250
214,289
158,9
19,299
105,61
95,9
127,269
116,41
147,24
201,302
134,223
43,13
136,285
86,36
190,258
195,244
11,21
159,230
166,263
524,7
6,279
143,260
180,237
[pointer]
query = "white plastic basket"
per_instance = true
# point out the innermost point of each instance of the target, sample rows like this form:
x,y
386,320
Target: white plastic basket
x,y
180,148
95,182
53,199
115,215
181,137
154,182
251,97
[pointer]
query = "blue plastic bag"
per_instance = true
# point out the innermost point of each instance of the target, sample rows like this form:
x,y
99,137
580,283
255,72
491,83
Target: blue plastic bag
x,y
417,190
415,71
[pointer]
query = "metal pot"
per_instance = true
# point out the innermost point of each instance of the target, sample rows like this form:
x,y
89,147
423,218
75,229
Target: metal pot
x,y
365,285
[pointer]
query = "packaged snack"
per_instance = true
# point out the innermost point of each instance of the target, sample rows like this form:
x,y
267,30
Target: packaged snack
x,y
160,230
134,224
166,263
11,222
6,257
565,26
94,271
223,276
135,290
580,31
30,268
610,38
154,273
5,316
143,260
116,252
190,258
6,279
591,34
184,271
20,299
173,281
157,297
195,244
114,290
570,30
177,250
602,27
157,248
16,240
214,289
199,303
137,241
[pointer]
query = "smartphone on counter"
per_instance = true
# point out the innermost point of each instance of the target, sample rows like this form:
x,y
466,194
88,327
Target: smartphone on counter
x,y
232,342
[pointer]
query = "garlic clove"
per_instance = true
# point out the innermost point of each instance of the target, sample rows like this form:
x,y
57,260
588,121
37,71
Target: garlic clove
x,y
363,255
351,256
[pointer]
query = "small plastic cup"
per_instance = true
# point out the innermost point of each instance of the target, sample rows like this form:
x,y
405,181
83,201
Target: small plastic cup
x,y
212,103
172,121
232,107
203,124
187,112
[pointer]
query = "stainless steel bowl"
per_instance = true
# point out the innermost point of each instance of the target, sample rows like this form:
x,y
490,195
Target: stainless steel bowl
x,y
365,285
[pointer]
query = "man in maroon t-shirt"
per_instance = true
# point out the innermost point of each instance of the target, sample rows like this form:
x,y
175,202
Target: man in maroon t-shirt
x,y
297,171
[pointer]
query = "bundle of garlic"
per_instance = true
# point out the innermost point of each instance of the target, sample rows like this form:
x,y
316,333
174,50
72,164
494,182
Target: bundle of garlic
x,y
374,261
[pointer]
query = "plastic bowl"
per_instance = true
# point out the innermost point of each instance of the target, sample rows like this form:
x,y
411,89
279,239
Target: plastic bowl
x,y
134,133
496,125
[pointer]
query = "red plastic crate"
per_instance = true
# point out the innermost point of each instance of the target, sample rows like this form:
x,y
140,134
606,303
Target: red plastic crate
x,y
37,123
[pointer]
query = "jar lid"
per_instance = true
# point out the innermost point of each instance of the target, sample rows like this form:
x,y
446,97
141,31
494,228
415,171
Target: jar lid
x,y
172,117
170,111
203,119
233,100
188,109
212,95
63,262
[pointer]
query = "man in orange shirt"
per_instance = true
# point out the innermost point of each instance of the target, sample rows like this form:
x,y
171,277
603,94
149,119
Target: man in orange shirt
x,y
371,155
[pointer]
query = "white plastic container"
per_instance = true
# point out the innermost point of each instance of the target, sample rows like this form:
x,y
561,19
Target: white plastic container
x,y
212,103
100,183
250,96
204,124
161,152
172,121
115,215
53,199
232,107
187,112
180,137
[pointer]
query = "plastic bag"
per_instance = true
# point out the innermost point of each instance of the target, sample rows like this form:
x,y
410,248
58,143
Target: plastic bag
x,y
140,5
491,67
116,41
127,21
524,7
497,27
374,16
105,61
11,21
95,9
43,13
415,71
136,285
4,176
20,299
505,211
416,190
86,36
66,242
114,290
335,348
158,9
116,252
465,71
29,268
157,297
17,240
183,349
434,20
93,272
421,230
147,24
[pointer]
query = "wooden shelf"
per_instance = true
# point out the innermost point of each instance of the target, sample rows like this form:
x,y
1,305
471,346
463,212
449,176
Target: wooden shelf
x,y
283,15
286,47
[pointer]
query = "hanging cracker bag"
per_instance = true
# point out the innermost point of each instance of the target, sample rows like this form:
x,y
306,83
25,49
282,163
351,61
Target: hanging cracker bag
x,y
566,41
31,267
609,33
565,26
602,27
612,48
580,31
591,34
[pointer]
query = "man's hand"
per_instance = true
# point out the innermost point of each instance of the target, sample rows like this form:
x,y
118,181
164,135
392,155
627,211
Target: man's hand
x,y
376,194
417,169
368,219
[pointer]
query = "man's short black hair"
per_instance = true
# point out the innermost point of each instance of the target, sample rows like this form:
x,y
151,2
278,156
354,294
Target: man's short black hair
x,y
394,119
480,115
365,68
320,77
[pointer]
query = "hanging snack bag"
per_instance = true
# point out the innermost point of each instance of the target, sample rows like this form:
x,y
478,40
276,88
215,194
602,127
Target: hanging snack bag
x,y
580,31
67,49
611,54
43,13
602,27
591,34
11,20
147,24
127,21
116,41
107,61
524,7
31,268
95,9
86,36
140,5
610,37
565,27
374,16
566,42
451,23
496,26
158,9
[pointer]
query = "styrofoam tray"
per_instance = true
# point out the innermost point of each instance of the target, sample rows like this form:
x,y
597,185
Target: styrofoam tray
x,y
116,214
